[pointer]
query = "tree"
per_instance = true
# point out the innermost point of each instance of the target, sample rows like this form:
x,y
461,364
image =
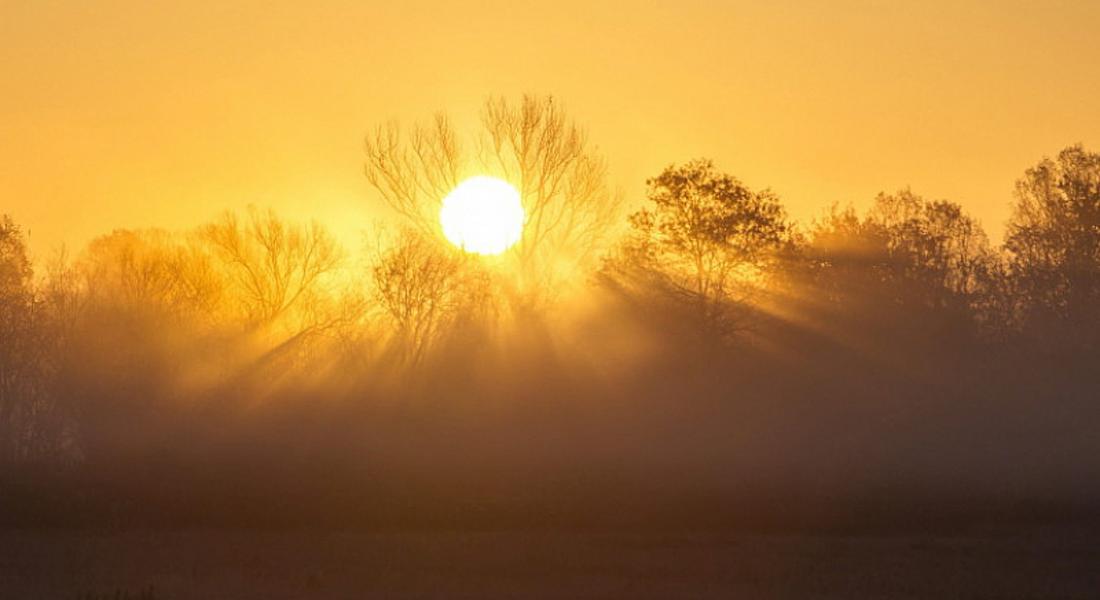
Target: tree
x,y
31,423
1053,241
15,266
927,254
150,272
942,252
848,257
16,366
533,144
276,273
909,274
705,238
424,288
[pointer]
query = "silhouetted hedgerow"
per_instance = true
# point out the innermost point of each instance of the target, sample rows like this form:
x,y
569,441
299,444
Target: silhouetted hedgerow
x,y
721,355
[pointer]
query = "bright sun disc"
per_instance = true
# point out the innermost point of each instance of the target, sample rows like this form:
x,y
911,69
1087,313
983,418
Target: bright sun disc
x,y
482,215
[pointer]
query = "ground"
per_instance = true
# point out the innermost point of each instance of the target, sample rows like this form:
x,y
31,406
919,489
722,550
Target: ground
x,y
206,565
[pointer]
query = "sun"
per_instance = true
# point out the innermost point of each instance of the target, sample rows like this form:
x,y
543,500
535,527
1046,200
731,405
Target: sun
x,y
482,215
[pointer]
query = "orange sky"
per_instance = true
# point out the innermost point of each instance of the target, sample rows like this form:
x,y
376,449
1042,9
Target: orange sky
x,y
154,113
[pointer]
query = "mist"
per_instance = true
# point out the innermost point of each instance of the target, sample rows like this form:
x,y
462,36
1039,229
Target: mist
x,y
879,369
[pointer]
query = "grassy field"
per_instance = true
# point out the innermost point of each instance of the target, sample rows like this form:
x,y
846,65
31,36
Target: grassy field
x,y
209,565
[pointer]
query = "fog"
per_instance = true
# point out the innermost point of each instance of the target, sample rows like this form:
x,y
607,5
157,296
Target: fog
x,y
877,369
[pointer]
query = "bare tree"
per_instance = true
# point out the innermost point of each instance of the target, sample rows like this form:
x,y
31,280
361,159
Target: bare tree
x,y
562,181
150,271
533,144
414,175
424,288
275,272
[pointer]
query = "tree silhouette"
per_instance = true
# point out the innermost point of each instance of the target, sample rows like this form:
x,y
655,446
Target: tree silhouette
x,y
1053,242
276,272
423,288
705,238
908,275
150,272
940,250
533,144
16,371
15,266
32,425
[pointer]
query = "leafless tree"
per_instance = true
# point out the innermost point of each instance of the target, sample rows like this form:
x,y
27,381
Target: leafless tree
x,y
276,273
150,271
423,288
561,178
413,175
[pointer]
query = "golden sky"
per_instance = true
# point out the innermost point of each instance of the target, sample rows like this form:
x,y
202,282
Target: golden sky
x,y
143,113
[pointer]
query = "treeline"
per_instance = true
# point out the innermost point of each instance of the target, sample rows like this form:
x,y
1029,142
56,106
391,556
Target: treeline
x,y
702,342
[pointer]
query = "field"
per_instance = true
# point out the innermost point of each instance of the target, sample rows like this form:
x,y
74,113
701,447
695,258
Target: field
x,y
182,565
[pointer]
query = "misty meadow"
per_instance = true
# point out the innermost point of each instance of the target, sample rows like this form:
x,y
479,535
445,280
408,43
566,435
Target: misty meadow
x,y
561,300
615,365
